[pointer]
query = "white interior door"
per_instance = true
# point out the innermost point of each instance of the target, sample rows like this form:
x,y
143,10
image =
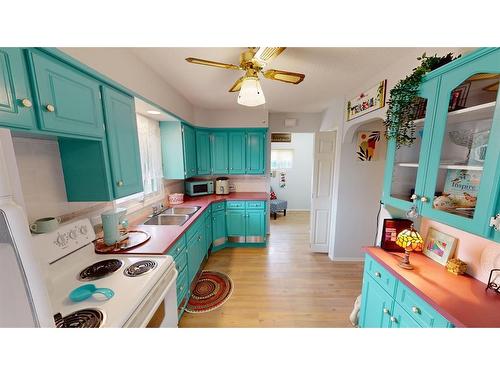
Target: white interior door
x,y
322,188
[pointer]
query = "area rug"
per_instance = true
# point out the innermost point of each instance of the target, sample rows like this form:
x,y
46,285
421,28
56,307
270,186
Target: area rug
x,y
211,291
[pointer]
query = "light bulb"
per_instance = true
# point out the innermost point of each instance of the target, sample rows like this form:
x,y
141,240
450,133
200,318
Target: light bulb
x,y
251,94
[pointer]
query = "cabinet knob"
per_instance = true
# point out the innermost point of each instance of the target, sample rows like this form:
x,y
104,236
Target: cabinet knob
x,y
415,309
178,249
50,108
414,197
378,274
424,199
386,310
119,183
26,103
393,319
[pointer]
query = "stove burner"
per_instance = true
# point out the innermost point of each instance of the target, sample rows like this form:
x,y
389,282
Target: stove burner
x,y
140,268
100,269
86,318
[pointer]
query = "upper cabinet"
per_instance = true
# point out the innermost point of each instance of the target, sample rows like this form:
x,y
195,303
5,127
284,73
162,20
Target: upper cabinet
x,y
203,152
256,152
123,143
219,154
452,172
69,100
16,102
189,142
178,147
237,152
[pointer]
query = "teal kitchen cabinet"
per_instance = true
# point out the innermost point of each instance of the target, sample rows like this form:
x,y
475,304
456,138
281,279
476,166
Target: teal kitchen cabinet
x,y
255,226
451,173
193,257
255,152
189,142
123,143
219,236
178,147
237,152
203,152
245,222
219,152
68,99
235,224
16,102
388,303
208,230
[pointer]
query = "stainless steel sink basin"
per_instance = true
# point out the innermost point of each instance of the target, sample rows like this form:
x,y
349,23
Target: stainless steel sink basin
x,y
170,219
181,210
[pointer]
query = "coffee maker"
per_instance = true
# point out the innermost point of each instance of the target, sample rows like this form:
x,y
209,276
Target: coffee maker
x,y
222,185
113,222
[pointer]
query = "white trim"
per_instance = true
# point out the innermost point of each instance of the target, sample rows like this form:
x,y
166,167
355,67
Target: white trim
x,y
298,210
348,259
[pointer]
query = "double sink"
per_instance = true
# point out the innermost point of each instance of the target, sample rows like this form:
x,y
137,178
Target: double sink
x,y
172,216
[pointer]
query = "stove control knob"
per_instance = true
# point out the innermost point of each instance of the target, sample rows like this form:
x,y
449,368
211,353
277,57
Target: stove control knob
x,y
83,230
72,234
61,240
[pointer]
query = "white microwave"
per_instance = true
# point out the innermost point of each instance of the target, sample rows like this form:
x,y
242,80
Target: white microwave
x,y
195,188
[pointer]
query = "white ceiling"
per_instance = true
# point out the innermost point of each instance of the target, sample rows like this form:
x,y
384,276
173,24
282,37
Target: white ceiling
x,y
142,108
330,73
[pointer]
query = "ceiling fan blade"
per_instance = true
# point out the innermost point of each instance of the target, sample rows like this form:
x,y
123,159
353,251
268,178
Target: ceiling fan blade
x,y
215,64
237,85
284,76
265,55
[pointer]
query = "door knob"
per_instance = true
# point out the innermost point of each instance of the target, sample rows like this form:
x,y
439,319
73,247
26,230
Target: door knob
x,y
26,103
50,108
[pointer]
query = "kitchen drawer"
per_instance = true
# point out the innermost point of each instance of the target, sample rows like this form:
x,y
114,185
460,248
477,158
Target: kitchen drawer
x,y
401,319
235,204
218,206
256,204
195,227
382,276
182,285
181,259
423,313
177,248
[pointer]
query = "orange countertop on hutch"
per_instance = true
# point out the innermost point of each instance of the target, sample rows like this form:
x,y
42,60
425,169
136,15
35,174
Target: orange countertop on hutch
x,y
462,299
164,236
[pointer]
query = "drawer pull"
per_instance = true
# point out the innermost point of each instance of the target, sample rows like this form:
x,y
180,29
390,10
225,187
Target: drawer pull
x,y
26,103
50,108
386,310
415,309
378,274
393,319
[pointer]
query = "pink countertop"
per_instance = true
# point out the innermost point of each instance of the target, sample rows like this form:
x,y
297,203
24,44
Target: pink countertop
x,y
462,300
164,236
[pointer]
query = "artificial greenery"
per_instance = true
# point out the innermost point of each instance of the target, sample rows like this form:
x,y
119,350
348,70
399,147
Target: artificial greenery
x,y
403,101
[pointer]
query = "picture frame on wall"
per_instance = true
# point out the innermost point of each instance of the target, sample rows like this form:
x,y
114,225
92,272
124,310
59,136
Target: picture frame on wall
x,y
366,102
439,246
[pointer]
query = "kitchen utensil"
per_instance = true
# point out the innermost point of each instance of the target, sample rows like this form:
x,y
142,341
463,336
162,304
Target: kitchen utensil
x,y
45,225
176,198
86,291
112,223
135,238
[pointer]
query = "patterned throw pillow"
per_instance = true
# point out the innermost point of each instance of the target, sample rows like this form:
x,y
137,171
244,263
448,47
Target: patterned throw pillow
x,y
273,195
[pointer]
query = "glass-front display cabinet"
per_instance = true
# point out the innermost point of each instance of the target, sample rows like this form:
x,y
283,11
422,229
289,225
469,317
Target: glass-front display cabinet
x,y
457,158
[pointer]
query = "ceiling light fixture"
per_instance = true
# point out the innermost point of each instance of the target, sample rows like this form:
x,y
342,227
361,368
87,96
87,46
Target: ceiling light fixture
x,y
154,112
251,94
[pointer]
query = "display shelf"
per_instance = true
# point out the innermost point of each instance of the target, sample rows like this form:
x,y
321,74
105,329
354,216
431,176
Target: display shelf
x,y
476,113
446,166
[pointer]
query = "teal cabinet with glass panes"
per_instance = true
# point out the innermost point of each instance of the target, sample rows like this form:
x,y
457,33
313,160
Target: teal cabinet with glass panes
x,y
451,173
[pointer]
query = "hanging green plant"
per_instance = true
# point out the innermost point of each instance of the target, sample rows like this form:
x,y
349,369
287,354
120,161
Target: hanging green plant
x,y
404,100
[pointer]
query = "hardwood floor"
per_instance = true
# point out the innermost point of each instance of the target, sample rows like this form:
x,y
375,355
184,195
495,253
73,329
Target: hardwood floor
x,y
283,285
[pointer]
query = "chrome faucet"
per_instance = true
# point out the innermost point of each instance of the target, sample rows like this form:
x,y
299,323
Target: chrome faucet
x,y
158,209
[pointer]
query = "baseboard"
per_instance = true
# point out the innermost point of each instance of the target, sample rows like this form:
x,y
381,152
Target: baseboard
x,y
297,210
348,259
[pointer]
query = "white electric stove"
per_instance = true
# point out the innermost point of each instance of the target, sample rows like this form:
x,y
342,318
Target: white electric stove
x,y
140,283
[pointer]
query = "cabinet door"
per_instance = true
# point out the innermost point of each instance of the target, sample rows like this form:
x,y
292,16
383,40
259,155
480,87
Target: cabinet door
x,y
219,236
193,258
235,223
255,226
237,152
463,174
203,152
189,141
16,102
121,132
401,319
405,167
69,100
219,152
376,305
208,232
200,238
255,150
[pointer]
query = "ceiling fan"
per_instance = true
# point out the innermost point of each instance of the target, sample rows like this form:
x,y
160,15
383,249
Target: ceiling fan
x,y
252,61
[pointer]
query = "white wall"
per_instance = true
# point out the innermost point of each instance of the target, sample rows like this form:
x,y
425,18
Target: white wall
x,y
242,117
298,179
125,68
306,122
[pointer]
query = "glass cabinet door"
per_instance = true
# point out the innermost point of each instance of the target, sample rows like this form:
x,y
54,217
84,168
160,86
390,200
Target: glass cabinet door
x,y
462,178
405,165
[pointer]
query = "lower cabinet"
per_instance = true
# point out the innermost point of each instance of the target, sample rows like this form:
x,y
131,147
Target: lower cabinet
x,y
219,236
179,252
246,222
388,303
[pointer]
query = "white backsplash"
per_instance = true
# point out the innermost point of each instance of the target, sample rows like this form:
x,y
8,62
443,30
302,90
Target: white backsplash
x,y
244,183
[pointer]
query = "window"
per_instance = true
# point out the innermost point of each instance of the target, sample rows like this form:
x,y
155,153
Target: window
x,y
150,149
281,159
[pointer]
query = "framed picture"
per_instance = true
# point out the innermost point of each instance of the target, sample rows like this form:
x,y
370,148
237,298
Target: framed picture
x,y
281,137
390,230
458,97
367,101
439,246
366,149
